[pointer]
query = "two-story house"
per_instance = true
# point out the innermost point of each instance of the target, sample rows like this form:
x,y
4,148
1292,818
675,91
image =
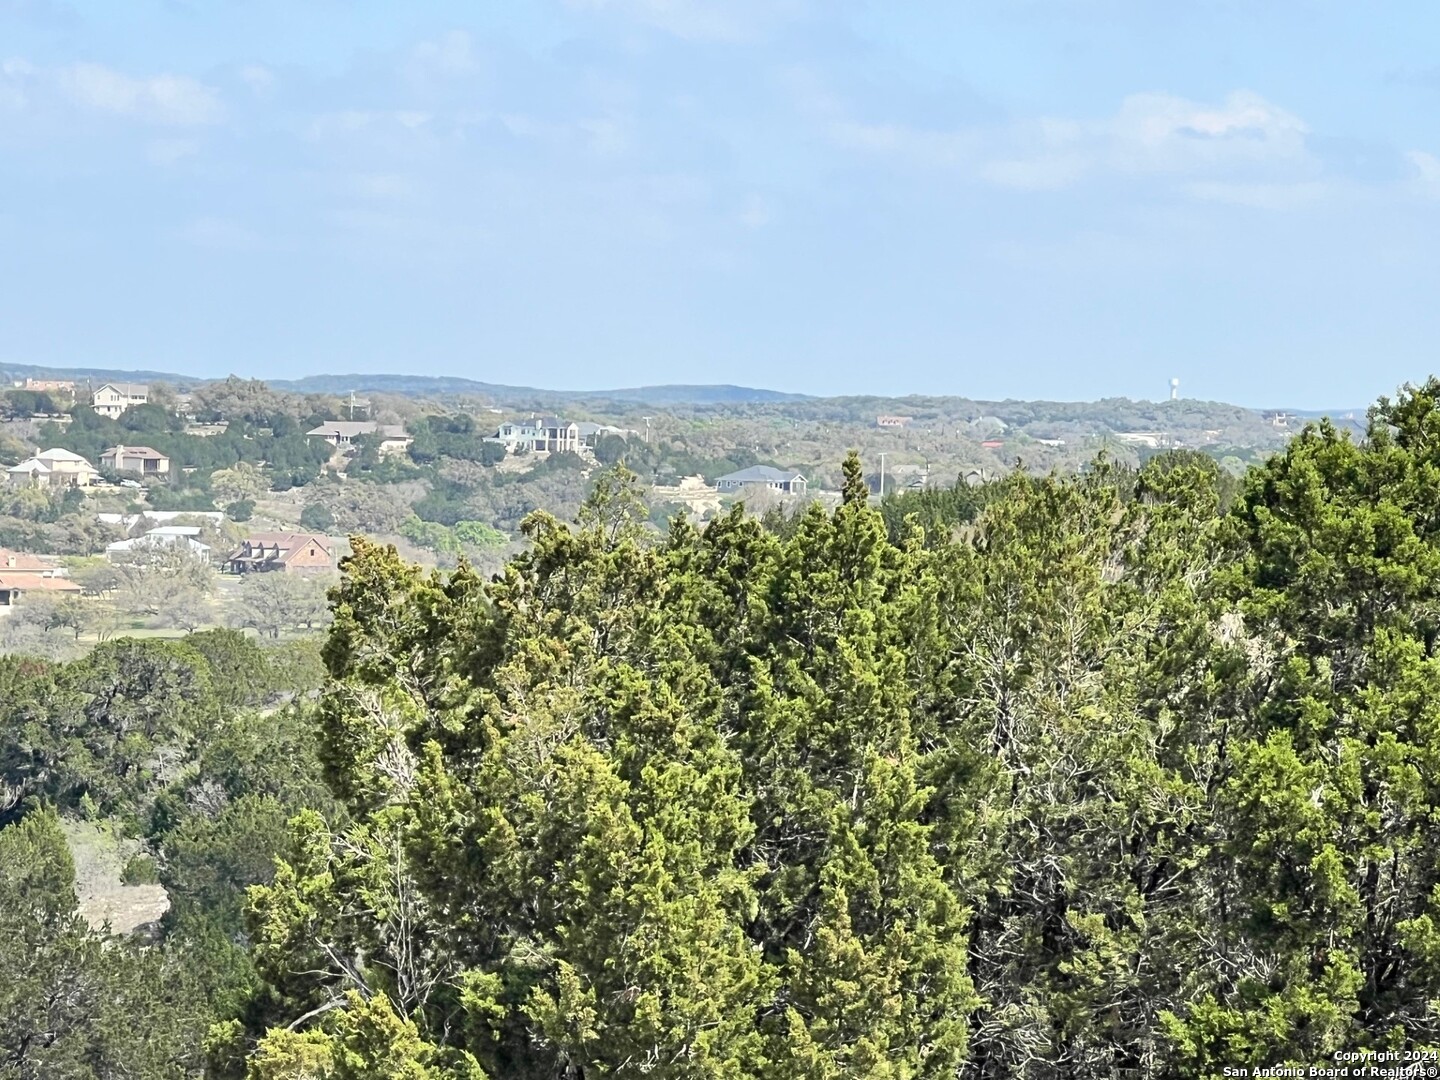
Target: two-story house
x,y
112,399
288,552
543,433
135,459
52,468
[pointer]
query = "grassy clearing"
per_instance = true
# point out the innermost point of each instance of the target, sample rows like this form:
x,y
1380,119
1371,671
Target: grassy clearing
x,y
101,852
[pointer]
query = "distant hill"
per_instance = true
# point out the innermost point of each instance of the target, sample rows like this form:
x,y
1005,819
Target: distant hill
x,y
20,372
417,385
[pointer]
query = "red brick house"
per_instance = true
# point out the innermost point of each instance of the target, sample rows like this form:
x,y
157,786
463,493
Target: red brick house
x,y
289,552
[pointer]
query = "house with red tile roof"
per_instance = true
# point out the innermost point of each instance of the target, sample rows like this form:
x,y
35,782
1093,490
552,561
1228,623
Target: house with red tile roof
x,y
21,574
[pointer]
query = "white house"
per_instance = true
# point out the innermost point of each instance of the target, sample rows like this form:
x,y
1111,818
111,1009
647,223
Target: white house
x,y
112,399
182,537
341,433
545,433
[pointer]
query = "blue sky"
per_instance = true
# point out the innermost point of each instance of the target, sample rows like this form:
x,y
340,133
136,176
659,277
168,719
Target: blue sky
x,y
1023,198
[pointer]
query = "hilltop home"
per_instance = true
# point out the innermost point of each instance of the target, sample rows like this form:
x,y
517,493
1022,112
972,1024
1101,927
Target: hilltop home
x,y
136,459
591,433
21,573
50,385
892,421
289,552
52,468
175,537
548,433
791,483
112,399
342,433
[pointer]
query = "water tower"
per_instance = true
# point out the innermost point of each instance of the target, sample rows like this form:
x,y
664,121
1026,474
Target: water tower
x,y
1174,389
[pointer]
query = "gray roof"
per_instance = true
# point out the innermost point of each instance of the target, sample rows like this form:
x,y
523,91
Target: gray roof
x,y
588,428
760,474
350,428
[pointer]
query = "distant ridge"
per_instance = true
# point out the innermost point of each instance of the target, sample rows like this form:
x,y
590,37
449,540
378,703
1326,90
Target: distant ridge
x,y
19,372
440,384
422,385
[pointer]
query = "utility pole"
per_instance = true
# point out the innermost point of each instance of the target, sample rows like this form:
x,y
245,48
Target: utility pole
x,y
882,476
352,404
647,420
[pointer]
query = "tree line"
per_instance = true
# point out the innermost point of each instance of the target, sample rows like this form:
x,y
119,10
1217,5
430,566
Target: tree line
x,y
1129,773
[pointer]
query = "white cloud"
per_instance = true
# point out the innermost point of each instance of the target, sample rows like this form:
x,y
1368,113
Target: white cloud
x,y
14,75
603,136
916,145
607,136
164,99
1152,134
1243,149
1163,133
453,54
351,121
1426,171
259,78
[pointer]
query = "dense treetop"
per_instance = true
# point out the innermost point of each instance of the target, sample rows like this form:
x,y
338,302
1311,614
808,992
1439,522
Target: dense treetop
x,y
1112,780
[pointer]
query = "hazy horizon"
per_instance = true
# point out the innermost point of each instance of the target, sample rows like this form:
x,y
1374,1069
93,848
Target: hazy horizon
x,y
1054,199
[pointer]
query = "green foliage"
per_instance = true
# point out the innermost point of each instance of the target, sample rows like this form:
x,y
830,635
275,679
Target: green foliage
x,y
140,870
476,534
271,603
1129,773
317,518
938,511
669,459
166,497
161,735
20,404
74,1005
472,535
459,437
681,904
242,510
259,431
